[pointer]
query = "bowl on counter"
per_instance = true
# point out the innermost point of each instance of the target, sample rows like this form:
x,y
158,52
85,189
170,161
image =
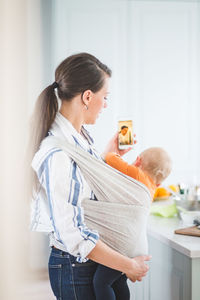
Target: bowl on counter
x,y
187,210
191,205
188,217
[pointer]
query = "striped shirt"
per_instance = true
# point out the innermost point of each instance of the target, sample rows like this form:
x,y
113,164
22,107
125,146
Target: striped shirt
x,y
56,206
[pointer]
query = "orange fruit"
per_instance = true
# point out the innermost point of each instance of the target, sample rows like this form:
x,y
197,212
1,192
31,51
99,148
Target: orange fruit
x,y
161,192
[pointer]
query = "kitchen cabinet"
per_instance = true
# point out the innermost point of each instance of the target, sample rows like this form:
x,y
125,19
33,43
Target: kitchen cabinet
x,y
153,50
175,266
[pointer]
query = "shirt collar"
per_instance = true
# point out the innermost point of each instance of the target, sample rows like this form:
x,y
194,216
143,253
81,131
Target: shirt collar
x,y
63,128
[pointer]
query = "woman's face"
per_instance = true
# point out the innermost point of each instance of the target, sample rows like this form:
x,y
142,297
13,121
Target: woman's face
x,y
97,103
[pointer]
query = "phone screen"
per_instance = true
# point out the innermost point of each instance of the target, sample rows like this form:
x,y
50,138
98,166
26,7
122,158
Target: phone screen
x,y
125,130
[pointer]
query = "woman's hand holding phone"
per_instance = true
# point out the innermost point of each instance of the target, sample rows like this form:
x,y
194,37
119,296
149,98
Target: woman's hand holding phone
x,y
112,146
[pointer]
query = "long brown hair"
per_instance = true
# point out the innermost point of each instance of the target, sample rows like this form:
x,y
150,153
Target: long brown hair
x,y
76,74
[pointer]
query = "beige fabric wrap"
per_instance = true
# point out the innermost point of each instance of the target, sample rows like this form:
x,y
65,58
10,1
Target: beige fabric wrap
x,y
121,212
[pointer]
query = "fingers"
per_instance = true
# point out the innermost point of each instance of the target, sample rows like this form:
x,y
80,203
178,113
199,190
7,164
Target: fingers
x,y
115,135
147,257
146,268
143,270
132,278
136,278
139,279
143,257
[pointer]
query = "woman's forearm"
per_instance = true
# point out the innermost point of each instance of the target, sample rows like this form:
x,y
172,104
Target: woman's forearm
x,y
104,255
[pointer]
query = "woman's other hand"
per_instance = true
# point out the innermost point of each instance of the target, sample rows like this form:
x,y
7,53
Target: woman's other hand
x,y
112,146
134,278
138,269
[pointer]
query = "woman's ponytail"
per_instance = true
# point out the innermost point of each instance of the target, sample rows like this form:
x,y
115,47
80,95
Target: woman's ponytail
x,y
43,116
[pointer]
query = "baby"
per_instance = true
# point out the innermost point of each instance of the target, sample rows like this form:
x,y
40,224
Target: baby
x,y
151,167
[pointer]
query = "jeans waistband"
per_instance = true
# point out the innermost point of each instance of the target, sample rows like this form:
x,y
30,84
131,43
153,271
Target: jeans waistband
x,y
61,253
65,255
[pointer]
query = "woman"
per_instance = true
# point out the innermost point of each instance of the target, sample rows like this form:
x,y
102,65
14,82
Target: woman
x,y
82,83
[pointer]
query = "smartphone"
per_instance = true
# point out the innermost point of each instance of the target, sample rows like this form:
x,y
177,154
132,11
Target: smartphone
x,y
125,134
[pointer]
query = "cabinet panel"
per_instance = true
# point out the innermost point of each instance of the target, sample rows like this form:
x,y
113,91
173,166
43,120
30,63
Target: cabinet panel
x,y
166,275
169,277
164,75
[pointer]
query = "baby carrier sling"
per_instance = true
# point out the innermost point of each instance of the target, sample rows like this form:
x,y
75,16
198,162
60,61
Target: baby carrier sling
x,y
121,212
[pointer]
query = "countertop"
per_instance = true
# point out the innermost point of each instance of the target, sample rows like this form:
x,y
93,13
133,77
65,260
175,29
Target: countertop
x,y
163,230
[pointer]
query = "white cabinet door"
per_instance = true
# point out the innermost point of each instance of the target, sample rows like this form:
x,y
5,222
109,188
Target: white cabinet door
x,y
163,74
100,28
153,49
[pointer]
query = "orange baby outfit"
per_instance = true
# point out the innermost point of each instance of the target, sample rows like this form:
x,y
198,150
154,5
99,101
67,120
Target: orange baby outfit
x,y
115,161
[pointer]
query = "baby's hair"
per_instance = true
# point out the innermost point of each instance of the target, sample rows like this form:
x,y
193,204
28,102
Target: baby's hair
x,y
124,126
157,163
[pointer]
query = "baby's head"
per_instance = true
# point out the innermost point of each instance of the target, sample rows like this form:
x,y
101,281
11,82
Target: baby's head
x,y
156,163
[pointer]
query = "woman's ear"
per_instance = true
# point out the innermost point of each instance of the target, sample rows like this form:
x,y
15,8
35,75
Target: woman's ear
x,y
138,161
87,97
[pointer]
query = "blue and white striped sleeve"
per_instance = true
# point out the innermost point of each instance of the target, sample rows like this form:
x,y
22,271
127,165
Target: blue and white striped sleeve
x,y
65,189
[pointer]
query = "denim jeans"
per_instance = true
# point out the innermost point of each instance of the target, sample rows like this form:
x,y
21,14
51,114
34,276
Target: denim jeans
x,y
69,279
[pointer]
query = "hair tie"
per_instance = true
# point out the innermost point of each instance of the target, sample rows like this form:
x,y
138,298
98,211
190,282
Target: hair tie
x,y
55,85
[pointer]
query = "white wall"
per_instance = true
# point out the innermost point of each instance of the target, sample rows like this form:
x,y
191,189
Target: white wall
x,y
152,48
13,123
21,79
